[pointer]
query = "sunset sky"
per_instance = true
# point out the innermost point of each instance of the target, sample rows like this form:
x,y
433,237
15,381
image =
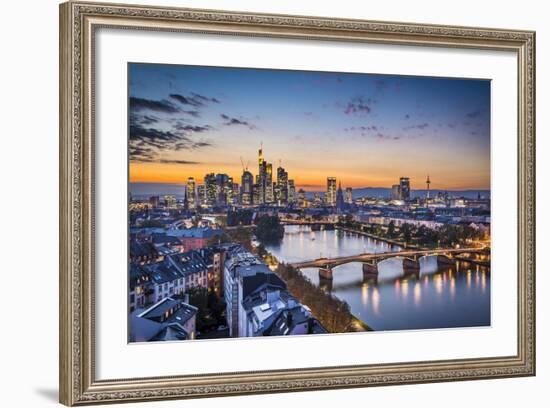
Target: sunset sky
x,y
366,130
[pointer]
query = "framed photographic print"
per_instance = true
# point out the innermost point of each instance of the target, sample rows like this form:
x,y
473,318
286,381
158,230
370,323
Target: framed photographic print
x,y
260,203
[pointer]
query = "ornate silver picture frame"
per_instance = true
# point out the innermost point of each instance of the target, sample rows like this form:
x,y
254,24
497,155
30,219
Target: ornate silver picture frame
x,y
78,25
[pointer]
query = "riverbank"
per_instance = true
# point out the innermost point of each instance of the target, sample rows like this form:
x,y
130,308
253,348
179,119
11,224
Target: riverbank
x,y
357,325
403,245
396,301
333,313
376,237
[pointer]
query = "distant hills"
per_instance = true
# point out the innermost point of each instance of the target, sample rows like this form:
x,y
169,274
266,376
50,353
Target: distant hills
x,y
386,193
380,192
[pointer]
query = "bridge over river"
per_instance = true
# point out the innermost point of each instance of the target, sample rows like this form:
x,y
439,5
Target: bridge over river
x,y
445,257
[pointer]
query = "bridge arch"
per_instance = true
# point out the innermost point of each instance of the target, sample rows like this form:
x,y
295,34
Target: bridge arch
x,y
442,260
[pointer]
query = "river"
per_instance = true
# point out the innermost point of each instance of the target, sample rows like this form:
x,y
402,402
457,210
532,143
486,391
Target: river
x,y
457,296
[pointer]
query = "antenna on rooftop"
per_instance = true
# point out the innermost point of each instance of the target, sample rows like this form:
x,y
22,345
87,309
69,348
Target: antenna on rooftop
x,y
245,168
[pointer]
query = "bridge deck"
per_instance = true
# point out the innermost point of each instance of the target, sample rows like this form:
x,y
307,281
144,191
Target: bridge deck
x,y
332,262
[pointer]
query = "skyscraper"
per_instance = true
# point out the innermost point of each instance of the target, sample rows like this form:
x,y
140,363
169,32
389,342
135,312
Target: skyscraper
x,y
154,201
331,190
269,183
260,179
396,192
211,189
349,195
202,195
291,191
302,197
340,199
405,188
231,191
170,201
282,186
247,183
191,195
223,188
256,197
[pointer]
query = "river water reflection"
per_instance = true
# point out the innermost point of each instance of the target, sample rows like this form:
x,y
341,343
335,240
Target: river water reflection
x,y
457,296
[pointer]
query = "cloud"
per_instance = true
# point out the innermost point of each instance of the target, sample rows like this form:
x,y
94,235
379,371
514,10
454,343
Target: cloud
x,y
184,100
149,144
474,114
176,161
193,128
140,104
204,98
358,106
372,131
407,116
194,113
371,128
420,126
143,119
148,120
196,100
231,121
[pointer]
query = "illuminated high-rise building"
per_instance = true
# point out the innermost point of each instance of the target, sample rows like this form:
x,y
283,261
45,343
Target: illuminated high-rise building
x,y
405,187
235,194
170,201
202,197
349,195
282,186
317,198
256,194
223,188
291,191
211,189
260,178
191,194
154,201
269,197
247,186
302,197
396,192
340,198
331,190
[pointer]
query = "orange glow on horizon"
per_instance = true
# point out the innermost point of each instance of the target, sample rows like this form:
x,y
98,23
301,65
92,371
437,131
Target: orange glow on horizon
x,y
309,180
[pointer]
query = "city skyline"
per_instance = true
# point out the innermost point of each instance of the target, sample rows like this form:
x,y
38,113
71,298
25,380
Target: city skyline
x,y
192,121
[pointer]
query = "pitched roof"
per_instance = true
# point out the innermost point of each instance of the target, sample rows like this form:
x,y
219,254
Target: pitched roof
x,y
188,263
162,272
142,249
164,239
171,332
261,281
178,311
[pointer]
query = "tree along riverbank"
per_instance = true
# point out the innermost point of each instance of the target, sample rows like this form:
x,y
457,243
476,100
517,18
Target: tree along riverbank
x,y
413,237
334,314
